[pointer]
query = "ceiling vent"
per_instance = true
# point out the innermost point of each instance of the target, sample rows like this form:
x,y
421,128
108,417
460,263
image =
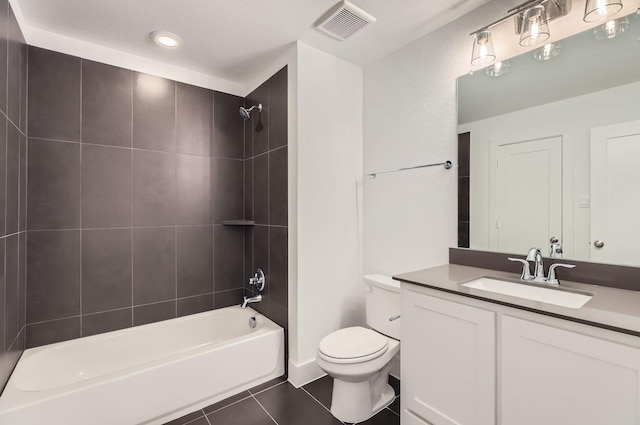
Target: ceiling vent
x,y
343,20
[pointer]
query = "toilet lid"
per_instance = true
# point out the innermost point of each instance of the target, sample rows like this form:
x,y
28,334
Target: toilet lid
x,y
354,344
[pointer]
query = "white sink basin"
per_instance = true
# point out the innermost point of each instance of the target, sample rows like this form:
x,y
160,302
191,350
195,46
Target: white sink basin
x,y
564,298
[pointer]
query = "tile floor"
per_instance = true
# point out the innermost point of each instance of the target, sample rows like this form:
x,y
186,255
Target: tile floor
x,y
278,402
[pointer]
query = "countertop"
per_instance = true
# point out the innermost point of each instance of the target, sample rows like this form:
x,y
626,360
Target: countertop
x,y
609,308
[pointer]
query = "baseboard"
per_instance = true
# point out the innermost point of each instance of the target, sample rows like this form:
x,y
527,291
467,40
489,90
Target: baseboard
x,y
302,374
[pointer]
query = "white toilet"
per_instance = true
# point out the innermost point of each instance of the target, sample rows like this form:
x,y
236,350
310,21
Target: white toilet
x,y
359,359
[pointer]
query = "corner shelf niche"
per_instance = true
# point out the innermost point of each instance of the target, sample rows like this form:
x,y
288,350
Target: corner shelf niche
x,y
238,222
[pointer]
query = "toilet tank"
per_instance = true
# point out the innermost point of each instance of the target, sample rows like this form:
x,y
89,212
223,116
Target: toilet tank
x,y
382,302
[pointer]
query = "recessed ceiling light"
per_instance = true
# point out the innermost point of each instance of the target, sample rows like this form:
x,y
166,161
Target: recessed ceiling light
x,y
166,39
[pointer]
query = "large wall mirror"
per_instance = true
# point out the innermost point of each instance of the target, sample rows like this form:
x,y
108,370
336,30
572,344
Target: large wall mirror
x,y
555,150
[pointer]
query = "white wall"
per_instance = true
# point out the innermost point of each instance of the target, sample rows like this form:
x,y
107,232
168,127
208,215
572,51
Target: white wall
x,y
329,163
410,119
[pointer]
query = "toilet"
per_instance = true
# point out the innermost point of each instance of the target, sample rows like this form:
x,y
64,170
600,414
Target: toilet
x,y
359,359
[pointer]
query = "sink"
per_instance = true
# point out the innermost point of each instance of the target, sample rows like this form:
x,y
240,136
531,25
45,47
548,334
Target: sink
x,y
556,296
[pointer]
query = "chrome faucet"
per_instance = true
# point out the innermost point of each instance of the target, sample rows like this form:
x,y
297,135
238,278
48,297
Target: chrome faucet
x,y
538,273
249,300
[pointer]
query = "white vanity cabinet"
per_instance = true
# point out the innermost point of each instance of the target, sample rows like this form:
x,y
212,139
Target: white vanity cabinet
x,y
467,361
554,376
448,362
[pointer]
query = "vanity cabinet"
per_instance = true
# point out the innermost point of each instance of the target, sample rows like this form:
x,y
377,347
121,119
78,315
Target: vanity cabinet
x,y
448,362
467,361
554,376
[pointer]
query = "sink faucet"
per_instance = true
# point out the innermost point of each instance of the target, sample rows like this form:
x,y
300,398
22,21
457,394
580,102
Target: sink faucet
x,y
249,300
538,273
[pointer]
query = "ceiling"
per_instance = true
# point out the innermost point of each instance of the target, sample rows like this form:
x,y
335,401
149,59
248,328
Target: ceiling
x,y
233,39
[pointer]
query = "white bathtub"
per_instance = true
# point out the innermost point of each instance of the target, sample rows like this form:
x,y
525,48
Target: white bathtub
x,y
144,375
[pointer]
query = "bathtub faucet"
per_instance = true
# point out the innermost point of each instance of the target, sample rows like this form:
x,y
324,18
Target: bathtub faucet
x,y
254,299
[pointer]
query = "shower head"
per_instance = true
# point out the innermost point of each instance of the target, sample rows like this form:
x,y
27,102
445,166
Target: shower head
x,y
245,113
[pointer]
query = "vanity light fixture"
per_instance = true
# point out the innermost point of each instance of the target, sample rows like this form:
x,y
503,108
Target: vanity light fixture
x,y
166,39
497,69
547,52
483,51
531,22
535,28
611,29
601,10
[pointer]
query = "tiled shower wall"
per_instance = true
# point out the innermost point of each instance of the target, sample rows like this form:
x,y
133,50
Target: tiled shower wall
x,y
13,156
129,179
266,195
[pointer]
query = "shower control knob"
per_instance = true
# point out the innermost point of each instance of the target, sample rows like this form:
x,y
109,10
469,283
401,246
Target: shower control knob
x,y
554,239
598,244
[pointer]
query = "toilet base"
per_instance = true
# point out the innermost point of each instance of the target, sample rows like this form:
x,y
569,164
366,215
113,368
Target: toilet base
x,y
358,401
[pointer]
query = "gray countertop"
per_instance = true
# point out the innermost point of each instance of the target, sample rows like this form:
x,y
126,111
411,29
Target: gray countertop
x,y
609,308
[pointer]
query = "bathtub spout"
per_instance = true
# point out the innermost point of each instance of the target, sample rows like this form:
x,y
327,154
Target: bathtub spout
x,y
254,299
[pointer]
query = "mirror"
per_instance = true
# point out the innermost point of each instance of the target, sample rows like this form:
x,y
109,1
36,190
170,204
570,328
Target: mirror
x,y
555,151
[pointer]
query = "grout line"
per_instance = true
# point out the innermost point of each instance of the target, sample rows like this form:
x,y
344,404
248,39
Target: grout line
x,y
132,75
175,199
122,228
230,404
265,410
4,230
268,388
207,418
80,206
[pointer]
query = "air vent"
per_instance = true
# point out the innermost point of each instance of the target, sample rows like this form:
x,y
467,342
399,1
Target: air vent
x,y
343,20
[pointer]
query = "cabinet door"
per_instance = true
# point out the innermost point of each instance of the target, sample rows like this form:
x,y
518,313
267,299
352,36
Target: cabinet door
x,y
557,377
448,361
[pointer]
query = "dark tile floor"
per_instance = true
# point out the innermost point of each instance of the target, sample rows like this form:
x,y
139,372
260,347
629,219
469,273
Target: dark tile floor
x,y
278,402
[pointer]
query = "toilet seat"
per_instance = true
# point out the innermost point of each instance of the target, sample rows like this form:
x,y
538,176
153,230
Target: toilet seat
x,y
352,345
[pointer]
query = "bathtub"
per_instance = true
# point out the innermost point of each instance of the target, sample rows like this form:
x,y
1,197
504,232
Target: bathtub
x,y
148,374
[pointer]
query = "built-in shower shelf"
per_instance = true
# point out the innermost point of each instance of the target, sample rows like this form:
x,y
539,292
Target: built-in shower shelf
x,y
238,222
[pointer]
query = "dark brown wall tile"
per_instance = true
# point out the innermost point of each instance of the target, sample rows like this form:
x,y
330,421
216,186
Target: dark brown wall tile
x,y
14,69
106,104
193,190
463,199
2,290
106,270
54,95
228,192
22,281
278,189
193,305
154,265
23,88
154,312
13,179
4,27
464,154
227,298
108,321
228,130
278,100
195,260
278,265
53,331
154,188
248,189
53,275
3,172
261,189
53,185
154,124
11,296
22,222
194,119
259,120
227,258
106,187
